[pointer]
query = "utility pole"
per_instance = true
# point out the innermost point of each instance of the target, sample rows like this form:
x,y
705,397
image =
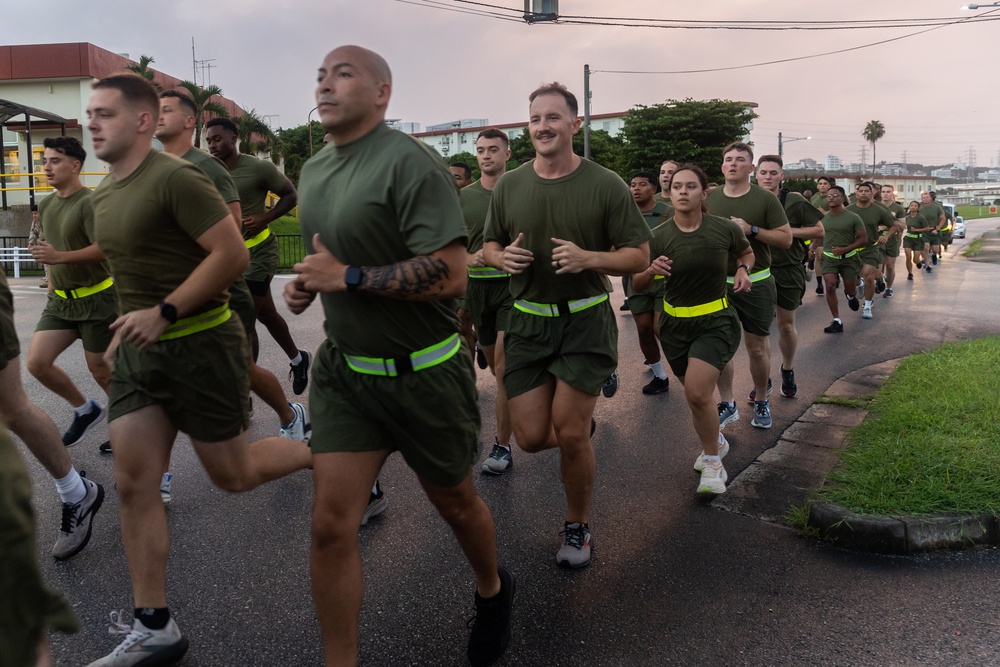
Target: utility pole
x,y
586,111
194,64
781,149
905,171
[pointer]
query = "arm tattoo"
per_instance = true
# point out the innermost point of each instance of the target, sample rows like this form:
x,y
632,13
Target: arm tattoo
x,y
418,279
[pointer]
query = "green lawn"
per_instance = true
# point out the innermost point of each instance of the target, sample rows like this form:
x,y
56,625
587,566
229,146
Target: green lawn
x,y
971,212
286,224
930,442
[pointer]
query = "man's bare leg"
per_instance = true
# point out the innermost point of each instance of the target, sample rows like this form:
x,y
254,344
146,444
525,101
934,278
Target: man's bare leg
x,y
45,347
268,315
496,360
572,411
30,424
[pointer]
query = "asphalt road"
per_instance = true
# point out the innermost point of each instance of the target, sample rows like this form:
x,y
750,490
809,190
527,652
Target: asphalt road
x,y
674,581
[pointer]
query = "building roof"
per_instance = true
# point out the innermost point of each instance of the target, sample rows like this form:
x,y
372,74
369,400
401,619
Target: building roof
x,y
10,109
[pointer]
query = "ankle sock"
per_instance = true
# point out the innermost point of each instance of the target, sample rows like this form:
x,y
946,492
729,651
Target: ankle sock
x,y
85,409
71,488
154,619
658,371
297,360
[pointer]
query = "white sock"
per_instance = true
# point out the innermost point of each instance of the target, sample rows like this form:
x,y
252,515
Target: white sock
x,y
658,371
868,304
707,458
837,320
375,488
85,409
297,360
70,488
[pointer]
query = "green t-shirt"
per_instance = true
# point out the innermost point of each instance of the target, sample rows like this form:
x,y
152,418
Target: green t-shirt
x,y
216,170
475,205
700,259
657,215
759,208
68,224
840,230
819,201
931,213
914,222
800,213
591,207
147,225
254,179
874,216
665,200
379,200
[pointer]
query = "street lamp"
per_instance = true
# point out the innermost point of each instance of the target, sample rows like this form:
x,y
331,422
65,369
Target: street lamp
x,y
309,129
992,4
782,141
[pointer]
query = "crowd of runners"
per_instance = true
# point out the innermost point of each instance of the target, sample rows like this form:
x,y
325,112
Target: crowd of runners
x,y
416,284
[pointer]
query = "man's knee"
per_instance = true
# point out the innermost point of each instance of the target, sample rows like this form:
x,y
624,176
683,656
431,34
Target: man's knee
x,y
331,529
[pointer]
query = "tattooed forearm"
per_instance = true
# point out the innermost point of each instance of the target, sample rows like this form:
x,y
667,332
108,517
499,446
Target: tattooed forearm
x,y
422,278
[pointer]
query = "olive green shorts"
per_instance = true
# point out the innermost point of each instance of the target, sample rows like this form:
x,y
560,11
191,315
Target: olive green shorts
x,y
202,381
10,348
790,285
431,416
945,237
712,338
932,238
263,261
580,349
913,243
490,302
891,249
648,300
91,317
756,307
849,268
872,255
241,303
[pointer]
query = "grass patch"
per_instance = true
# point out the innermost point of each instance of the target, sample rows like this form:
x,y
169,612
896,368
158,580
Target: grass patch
x,y
973,248
286,224
971,212
929,444
856,402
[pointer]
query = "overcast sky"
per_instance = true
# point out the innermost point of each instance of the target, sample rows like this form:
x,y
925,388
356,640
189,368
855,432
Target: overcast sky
x,y
936,93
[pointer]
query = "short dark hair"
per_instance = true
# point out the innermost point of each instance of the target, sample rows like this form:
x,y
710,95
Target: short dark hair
x,y
494,133
865,184
184,100
556,88
224,123
653,180
464,167
828,179
737,146
839,189
68,146
933,195
135,89
771,158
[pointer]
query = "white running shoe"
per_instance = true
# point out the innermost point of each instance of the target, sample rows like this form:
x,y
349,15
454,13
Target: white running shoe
x,y
143,646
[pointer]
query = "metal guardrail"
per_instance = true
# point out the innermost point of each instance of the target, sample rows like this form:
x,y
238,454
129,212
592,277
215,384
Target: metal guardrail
x,y
11,267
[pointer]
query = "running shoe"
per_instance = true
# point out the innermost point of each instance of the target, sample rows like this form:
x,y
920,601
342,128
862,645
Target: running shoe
x,y
624,306
928,268
866,313
299,429
491,624
657,386
835,327
575,550
888,293
104,447
83,423
481,358
713,478
853,303
699,463
78,521
610,385
819,289
909,276
378,502
761,414
788,386
728,413
934,258
165,483
499,461
879,286
859,291
299,374
143,646
752,396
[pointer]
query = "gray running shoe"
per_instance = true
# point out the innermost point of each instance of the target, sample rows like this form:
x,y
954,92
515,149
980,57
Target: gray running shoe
x,y
142,646
575,550
78,521
761,414
377,503
728,413
752,396
610,385
300,429
499,461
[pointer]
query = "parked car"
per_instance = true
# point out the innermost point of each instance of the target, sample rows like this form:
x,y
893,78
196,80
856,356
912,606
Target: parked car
x,y
958,228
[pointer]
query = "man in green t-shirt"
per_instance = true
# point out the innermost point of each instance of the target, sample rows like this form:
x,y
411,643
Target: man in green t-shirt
x,y
944,234
818,200
562,337
787,265
81,303
890,238
392,375
646,305
844,234
667,169
173,248
936,220
254,180
762,218
487,296
876,217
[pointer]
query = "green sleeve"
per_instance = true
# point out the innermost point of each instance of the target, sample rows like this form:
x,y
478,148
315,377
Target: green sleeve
x,y
430,216
193,200
87,210
496,228
626,226
271,177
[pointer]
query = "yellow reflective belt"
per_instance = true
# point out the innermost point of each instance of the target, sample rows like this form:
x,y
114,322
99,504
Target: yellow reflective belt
x,y
911,235
85,291
197,323
257,240
763,274
696,311
487,272
417,361
850,254
659,277
557,309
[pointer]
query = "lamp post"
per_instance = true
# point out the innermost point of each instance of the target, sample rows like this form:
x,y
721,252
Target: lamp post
x,y
782,141
992,4
309,129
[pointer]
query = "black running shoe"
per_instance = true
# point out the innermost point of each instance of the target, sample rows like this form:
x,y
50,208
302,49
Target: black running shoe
x,y
610,387
299,374
657,386
481,358
788,387
625,306
491,624
853,303
835,327
879,286
81,424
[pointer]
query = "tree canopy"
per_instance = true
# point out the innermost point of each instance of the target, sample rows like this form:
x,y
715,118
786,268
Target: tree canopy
x,y
203,102
873,131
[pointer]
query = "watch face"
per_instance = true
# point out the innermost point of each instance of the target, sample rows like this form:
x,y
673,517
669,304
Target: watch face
x,y
352,277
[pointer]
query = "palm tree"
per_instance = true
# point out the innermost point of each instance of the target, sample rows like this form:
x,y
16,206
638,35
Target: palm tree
x,y
202,98
254,133
873,131
143,70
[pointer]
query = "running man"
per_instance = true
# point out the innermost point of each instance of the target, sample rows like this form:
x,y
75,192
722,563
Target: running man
x,y
890,238
81,303
667,169
935,219
562,337
173,248
844,236
787,265
818,200
762,218
488,296
876,217
913,239
392,375
462,173
700,332
254,180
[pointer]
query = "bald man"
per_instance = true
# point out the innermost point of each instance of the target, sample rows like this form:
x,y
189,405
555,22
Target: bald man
x,y
388,264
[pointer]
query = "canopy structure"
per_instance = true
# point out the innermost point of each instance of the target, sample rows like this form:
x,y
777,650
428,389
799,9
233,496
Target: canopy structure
x,y
10,110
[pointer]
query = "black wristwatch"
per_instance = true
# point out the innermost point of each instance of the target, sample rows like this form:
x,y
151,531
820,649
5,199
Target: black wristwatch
x,y
352,278
168,312
754,230
743,266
